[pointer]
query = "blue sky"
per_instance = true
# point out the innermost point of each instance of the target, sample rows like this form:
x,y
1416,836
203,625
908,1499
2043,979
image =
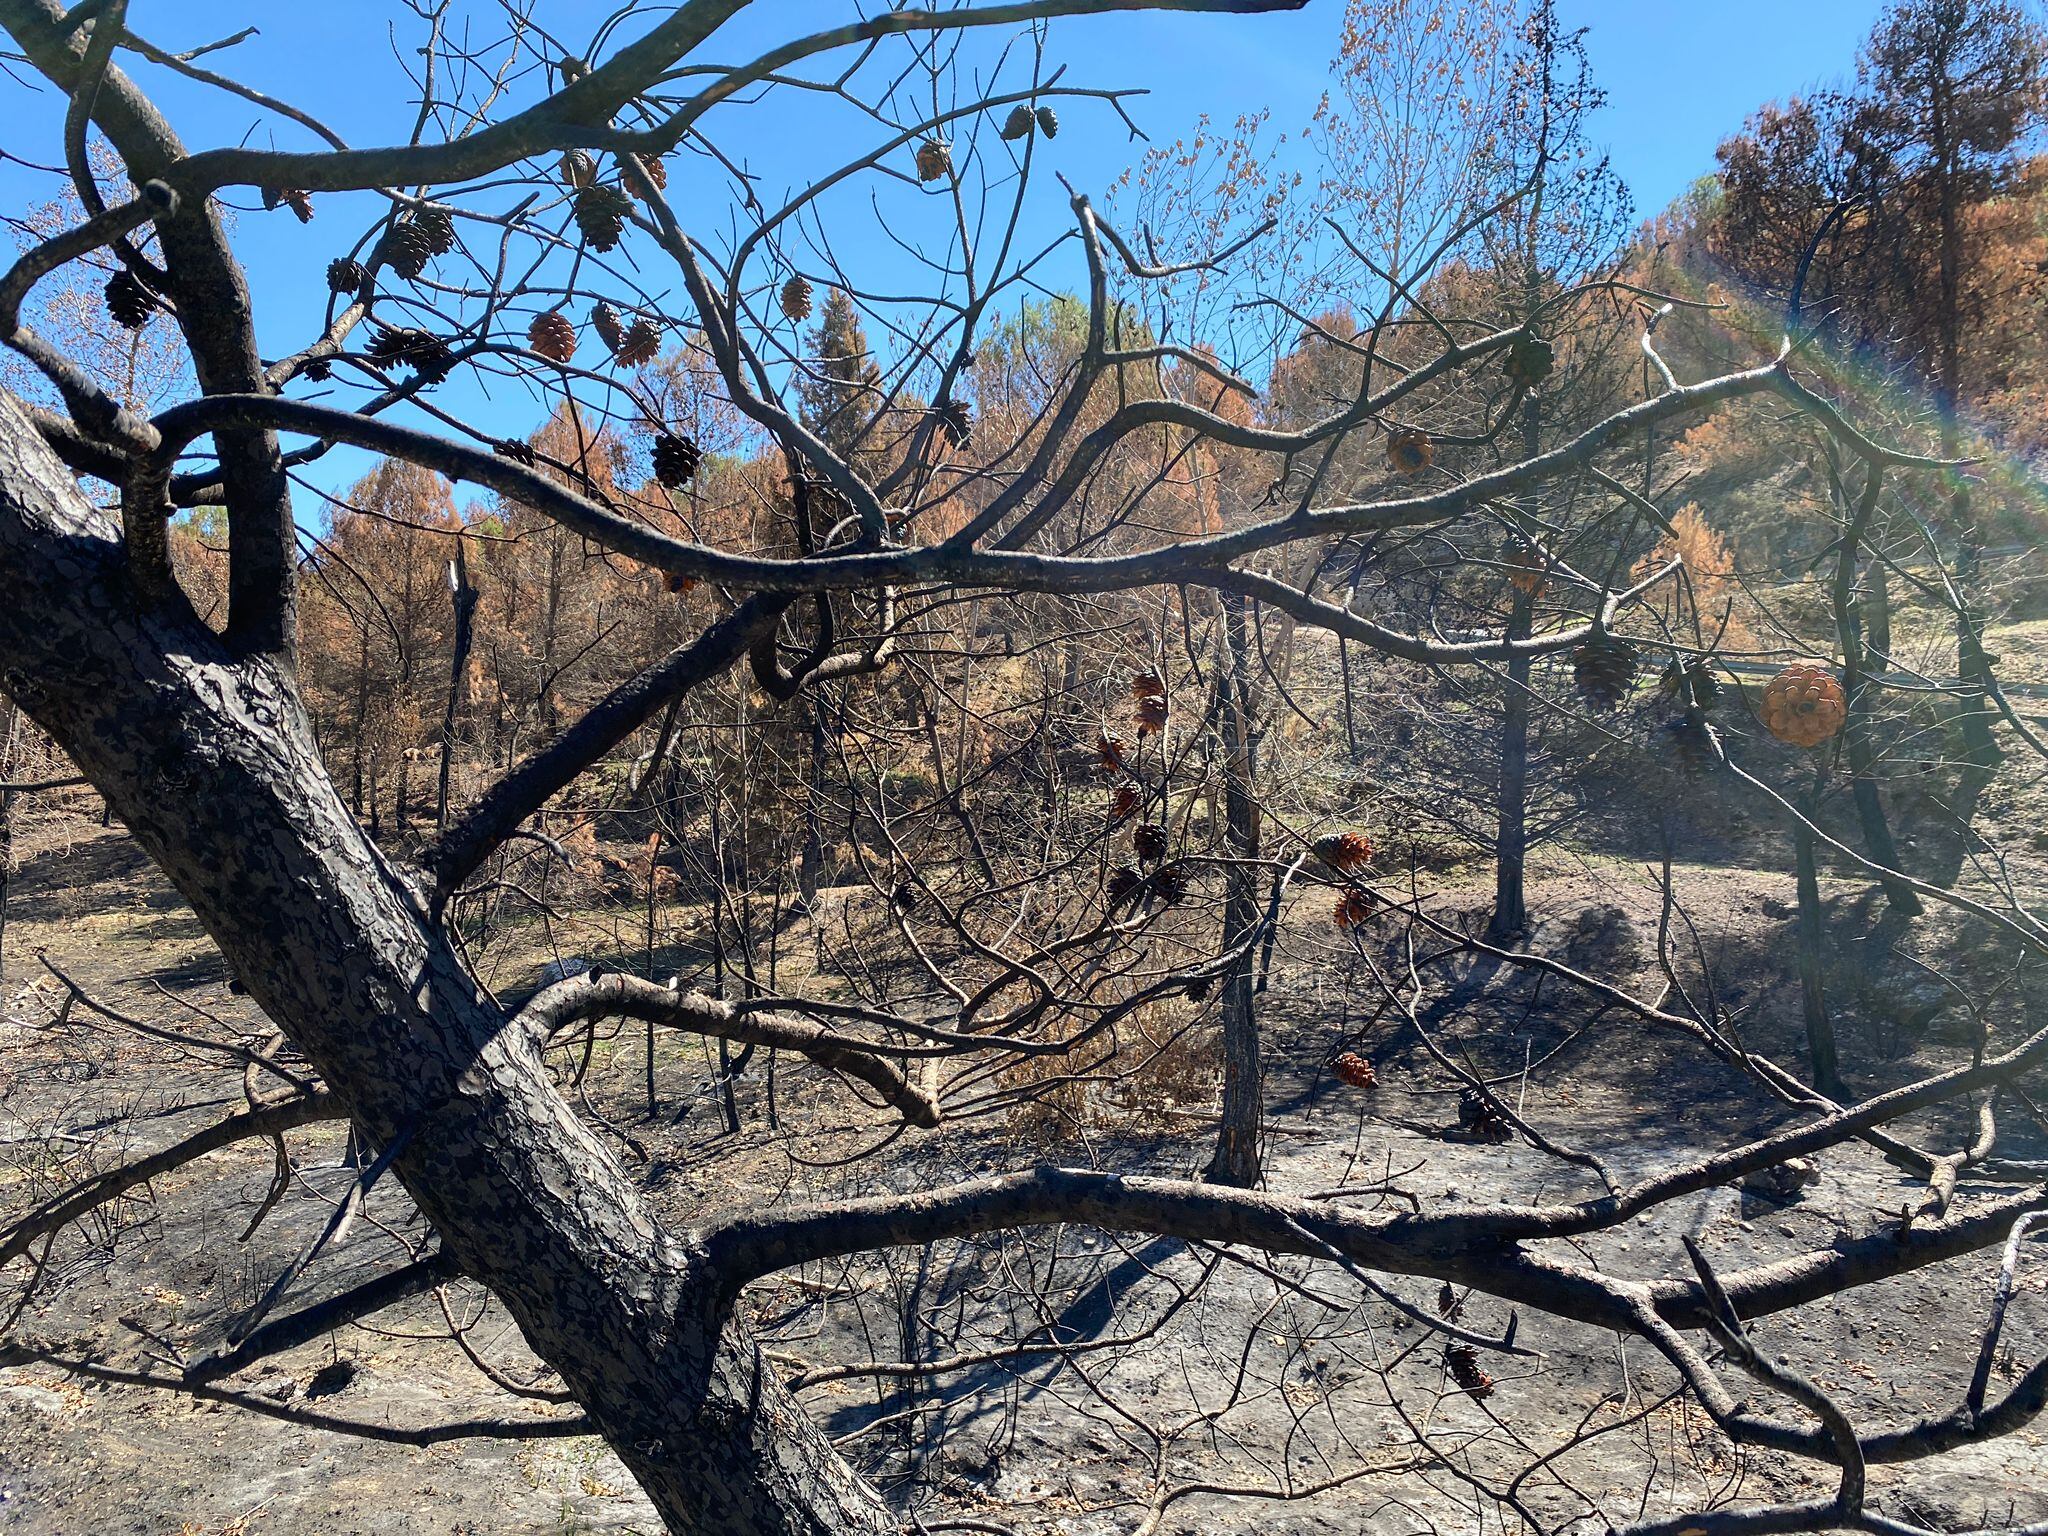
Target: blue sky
x,y
1680,76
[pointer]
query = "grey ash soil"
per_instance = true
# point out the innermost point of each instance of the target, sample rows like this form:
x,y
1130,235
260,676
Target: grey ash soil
x,y
1246,1380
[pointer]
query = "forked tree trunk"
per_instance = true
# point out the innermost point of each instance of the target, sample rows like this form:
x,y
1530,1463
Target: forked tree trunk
x,y
209,760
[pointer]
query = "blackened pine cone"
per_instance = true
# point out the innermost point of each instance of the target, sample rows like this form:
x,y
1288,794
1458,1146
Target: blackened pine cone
x,y
676,458
601,215
345,274
127,300
1604,669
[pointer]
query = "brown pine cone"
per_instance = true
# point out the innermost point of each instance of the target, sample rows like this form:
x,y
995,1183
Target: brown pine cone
x,y
551,335
1804,704
1410,452
1353,911
1343,851
1463,1363
642,343
1354,1069
796,298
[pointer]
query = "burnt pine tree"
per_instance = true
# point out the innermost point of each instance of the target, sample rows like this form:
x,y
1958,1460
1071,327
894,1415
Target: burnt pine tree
x,y
199,740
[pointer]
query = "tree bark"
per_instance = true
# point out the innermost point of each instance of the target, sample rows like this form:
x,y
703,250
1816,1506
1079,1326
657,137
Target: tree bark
x,y
1510,919
1859,690
1820,1028
7,740
464,596
1236,1159
207,756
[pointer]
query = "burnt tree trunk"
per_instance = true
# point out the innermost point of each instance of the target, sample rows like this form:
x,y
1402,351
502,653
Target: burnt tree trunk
x,y
1510,918
1820,1027
1860,691
464,597
7,740
1236,1159
207,756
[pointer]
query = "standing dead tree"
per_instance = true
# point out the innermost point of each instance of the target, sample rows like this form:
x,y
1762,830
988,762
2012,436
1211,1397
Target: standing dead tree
x,y
486,227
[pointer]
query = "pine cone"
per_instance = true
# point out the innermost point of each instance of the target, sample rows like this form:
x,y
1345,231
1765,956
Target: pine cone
x,y
345,275
1462,1360
552,335
1149,843
1197,991
681,586
1148,685
515,450
1354,1069
1691,682
406,249
1525,568
1530,359
1170,883
934,159
1354,910
641,344
605,321
1122,881
1123,805
956,420
1343,851
317,369
1692,741
1018,124
1447,1304
1109,754
439,228
657,172
1604,669
675,458
601,215
1410,452
1804,704
300,202
577,169
127,300
422,351
1048,122
1151,717
796,298
1478,1120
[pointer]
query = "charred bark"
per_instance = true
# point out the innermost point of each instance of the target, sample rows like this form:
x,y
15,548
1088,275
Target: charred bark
x,y
208,758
